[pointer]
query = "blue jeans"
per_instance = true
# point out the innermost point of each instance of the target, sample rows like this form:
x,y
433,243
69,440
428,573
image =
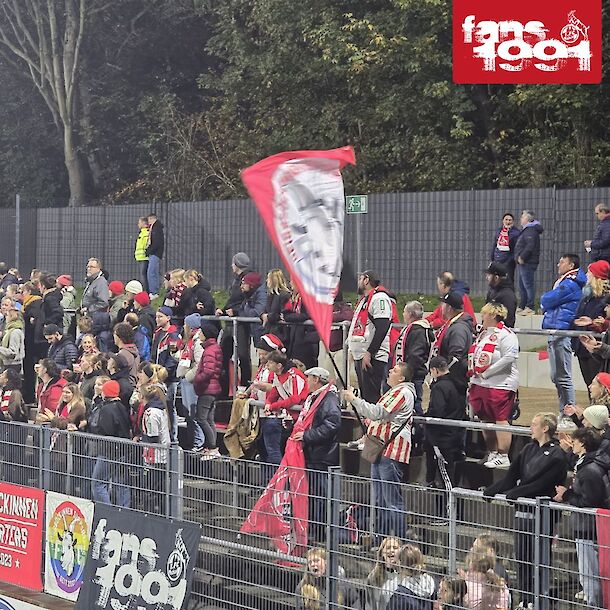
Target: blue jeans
x,y
143,267
386,476
189,401
527,288
271,429
104,471
560,359
153,273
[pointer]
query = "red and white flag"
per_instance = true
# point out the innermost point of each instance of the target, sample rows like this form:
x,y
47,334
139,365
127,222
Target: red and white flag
x,y
300,198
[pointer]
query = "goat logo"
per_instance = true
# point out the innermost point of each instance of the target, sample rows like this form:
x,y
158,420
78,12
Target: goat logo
x,y
68,534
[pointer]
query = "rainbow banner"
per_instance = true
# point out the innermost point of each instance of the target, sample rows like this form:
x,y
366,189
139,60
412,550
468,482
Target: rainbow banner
x,y
69,522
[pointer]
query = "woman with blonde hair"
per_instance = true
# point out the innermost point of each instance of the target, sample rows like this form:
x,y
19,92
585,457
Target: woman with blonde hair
x,y
485,589
311,590
12,347
71,409
384,578
197,296
590,316
494,380
174,281
417,587
278,294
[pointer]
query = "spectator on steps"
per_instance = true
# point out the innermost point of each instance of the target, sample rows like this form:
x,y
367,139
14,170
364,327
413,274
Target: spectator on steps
x,y
486,590
446,283
117,299
383,580
451,593
154,251
527,258
132,288
140,250
197,296
68,301
278,294
146,314
52,310
62,349
12,345
599,246
501,290
96,294
416,588
503,247
49,389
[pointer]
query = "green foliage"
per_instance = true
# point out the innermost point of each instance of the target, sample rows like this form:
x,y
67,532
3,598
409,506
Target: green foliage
x,y
176,97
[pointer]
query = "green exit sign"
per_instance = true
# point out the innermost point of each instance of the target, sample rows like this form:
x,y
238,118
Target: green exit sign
x,y
357,204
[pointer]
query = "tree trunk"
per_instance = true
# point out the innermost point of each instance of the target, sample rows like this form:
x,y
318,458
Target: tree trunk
x,y
76,175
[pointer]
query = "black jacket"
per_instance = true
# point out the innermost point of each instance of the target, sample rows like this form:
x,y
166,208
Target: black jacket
x,y
125,385
446,402
592,307
273,308
586,491
321,441
535,472
504,293
200,293
112,421
600,244
157,240
418,341
146,317
528,244
455,344
64,353
236,296
52,311
301,339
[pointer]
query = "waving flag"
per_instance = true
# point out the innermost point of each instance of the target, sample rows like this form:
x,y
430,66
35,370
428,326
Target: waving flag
x,y
300,198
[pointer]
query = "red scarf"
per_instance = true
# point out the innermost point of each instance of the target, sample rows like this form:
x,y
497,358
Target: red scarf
x,y
282,510
503,240
443,330
363,314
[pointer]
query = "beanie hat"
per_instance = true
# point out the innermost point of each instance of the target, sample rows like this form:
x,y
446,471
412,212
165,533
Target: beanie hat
x,y
116,287
209,329
51,329
497,269
142,299
270,343
166,311
241,260
253,279
597,416
454,299
193,320
64,280
604,379
600,269
111,389
134,287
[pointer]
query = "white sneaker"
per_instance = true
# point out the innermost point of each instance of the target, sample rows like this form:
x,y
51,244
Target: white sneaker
x,y
519,310
499,461
211,454
580,596
488,458
357,444
527,312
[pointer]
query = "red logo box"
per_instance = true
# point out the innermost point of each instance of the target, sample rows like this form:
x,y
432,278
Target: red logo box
x,y
527,42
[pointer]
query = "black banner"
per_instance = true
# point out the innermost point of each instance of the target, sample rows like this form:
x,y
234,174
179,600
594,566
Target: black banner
x,y
138,561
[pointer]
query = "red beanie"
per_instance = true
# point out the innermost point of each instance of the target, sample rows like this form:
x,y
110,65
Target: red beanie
x,y
253,279
116,287
111,389
600,269
604,379
142,299
64,280
270,342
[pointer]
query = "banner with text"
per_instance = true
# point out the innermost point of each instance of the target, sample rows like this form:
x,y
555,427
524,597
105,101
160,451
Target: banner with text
x,y
21,512
138,561
69,521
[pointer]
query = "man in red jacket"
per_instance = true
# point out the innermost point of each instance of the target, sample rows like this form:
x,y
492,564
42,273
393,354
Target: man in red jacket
x,y
446,283
207,387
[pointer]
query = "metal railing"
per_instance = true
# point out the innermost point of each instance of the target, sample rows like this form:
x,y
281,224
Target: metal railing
x,y
534,538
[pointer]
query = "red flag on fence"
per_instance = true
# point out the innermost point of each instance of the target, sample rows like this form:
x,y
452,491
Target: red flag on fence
x,y
300,198
603,542
282,511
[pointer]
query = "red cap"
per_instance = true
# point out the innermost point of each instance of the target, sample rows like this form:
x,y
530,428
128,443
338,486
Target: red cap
x,y
64,280
604,379
253,279
600,269
142,299
116,287
111,389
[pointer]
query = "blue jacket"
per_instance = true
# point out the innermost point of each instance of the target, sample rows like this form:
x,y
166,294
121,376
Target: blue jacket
x,y
528,243
504,257
252,307
561,303
600,244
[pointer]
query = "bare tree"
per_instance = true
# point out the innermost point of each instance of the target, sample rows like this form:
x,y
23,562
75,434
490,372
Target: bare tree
x,y
43,38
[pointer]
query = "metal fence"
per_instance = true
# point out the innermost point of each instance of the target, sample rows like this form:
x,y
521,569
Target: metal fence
x,y
534,539
407,237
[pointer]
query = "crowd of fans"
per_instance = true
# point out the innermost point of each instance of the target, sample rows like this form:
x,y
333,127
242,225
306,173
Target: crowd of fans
x,y
108,363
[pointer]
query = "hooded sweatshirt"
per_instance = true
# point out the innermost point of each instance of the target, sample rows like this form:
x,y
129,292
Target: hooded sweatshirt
x,y
155,429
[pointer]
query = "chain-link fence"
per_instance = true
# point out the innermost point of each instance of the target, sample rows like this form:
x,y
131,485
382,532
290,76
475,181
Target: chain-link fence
x,y
544,551
407,237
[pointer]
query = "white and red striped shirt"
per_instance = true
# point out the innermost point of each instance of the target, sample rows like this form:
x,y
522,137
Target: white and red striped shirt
x,y
289,389
394,408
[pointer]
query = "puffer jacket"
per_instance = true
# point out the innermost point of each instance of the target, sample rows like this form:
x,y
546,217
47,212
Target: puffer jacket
x,y
207,378
600,244
586,489
64,353
528,243
321,440
96,294
561,303
199,293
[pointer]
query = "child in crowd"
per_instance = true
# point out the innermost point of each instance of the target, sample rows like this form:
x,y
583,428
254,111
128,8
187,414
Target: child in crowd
x,y
416,588
485,589
451,593
383,580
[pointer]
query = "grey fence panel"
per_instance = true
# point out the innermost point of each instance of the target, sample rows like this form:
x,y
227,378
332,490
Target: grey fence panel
x,y
408,238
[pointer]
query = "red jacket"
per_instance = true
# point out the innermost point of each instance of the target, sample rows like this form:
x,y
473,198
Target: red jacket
x,y
436,317
207,378
49,397
289,389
